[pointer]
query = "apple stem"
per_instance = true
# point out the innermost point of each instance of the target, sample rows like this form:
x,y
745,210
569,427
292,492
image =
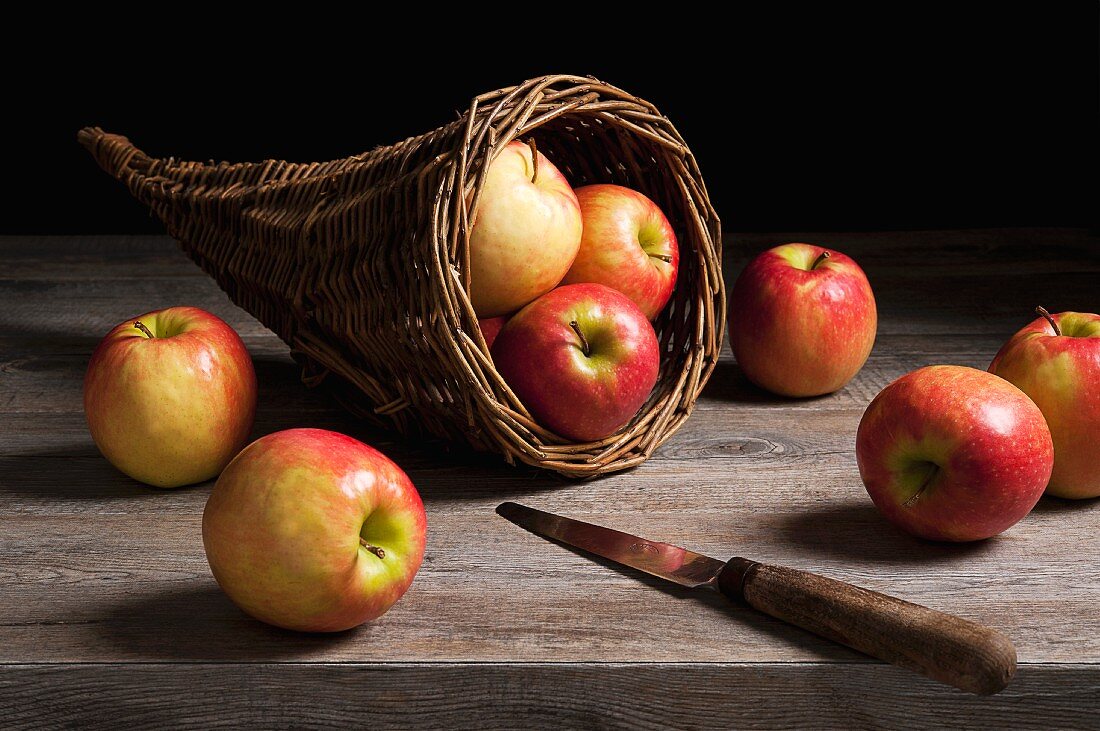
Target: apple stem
x,y
141,326
663,257
1054,326
818,261
376,550
924,485
584,341
534,159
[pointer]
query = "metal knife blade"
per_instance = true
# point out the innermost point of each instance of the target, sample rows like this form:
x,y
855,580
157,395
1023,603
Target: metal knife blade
x,y
663,560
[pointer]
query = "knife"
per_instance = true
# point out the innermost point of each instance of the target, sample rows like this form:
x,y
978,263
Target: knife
x,y
943,647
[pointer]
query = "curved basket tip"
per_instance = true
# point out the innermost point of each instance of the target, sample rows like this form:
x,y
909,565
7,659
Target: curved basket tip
x,y
114,153
89,135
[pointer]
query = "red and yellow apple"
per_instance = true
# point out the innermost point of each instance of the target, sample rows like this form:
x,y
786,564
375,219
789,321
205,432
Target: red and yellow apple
x,y
951,453
802,320
627,244
526,232
582,358
170,396
312,530
1057,363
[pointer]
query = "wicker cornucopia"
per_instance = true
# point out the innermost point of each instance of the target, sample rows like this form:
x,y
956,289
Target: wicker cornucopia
x,y
359,264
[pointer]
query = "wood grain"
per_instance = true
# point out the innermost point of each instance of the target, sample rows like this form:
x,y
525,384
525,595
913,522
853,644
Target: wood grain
x,y
560,696
95,568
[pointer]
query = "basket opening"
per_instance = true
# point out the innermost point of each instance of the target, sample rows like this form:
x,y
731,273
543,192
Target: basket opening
x,y
590,147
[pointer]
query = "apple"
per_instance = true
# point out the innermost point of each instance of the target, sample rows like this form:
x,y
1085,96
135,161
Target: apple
x,y
582,358
802,320
490,327
951,453
1056,361
311,530
626,244
170,396
526,232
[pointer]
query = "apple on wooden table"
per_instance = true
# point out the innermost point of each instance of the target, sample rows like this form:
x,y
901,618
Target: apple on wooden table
x,y
802,320
170,396
1056,361
526,234
582,358
951,453
627,244
312,530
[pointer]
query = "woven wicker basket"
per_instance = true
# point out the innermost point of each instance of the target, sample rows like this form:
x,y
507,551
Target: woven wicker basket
x,y
359,264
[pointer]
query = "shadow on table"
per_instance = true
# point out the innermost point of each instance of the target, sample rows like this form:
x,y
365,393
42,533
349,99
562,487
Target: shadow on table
x,y
200,623
857,532
728,383
1055,505
283,402
740,617
453,471
75,473
52,336
440,470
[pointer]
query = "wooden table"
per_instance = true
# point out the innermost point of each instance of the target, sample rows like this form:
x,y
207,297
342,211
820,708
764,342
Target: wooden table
x,y
109,614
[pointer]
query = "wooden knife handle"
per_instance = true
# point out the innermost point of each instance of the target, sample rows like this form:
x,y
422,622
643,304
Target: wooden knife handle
x,y
943,647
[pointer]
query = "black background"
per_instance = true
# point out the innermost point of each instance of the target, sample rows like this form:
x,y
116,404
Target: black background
x,y
801,119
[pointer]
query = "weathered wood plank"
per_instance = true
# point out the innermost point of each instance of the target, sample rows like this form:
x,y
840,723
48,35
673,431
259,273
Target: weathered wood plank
x,y
566,695
998,304
96,568
994,277
41,376
136,586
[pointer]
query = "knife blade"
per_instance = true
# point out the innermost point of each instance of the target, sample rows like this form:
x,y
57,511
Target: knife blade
x,y
941,646
663,560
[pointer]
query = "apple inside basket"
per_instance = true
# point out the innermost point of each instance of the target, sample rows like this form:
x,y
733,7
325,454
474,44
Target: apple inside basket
x,y
362,265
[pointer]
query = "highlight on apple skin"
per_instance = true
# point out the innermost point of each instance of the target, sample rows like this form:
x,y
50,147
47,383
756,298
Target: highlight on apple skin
x,y
1056,361
950,453
526,233
170,396
802,320
627,244
582,358
312,530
